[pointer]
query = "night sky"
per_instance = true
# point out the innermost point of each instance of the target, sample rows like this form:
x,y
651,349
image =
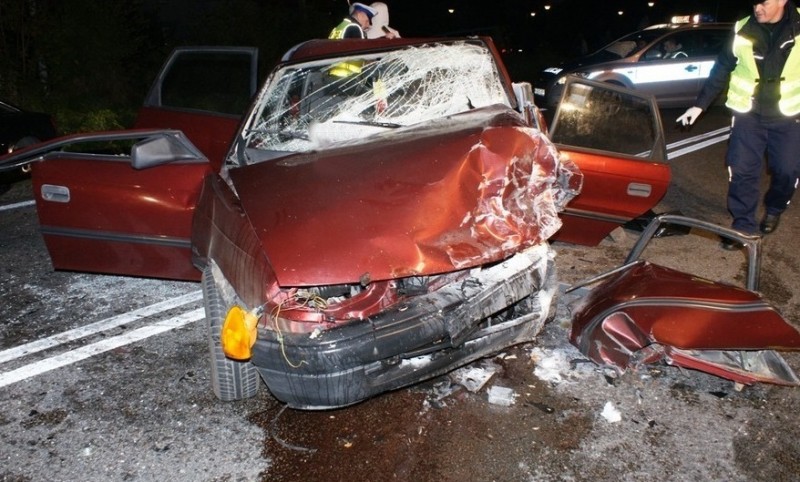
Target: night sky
x,y
566,24
568,29
430,17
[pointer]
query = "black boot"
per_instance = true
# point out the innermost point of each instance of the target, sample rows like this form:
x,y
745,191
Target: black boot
x,y
770,223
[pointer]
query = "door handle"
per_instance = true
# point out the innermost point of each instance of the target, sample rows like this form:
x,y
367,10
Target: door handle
x,y
638,189
56,194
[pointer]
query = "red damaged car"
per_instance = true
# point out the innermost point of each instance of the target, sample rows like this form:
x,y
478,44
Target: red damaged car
x,y
381,216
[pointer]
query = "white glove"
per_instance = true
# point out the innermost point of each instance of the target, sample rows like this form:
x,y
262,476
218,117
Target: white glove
x,y
689,116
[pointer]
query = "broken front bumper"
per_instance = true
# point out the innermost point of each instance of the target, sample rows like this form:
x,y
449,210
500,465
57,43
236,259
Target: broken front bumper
x,y
421,338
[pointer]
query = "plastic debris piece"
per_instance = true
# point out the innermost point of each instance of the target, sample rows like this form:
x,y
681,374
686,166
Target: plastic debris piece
x,y
610,413
473,378
501,396
550,366
440,391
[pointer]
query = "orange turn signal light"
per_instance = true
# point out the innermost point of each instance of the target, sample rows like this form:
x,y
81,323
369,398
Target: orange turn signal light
x,y
239,333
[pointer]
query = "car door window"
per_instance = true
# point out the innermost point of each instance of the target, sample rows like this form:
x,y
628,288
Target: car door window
x,y
694,43
711,42
600,116
211,81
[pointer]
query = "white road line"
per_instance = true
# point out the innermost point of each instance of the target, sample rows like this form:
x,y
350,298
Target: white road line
x,y
93,349
23,204
698,146
690,140
698,142
96,327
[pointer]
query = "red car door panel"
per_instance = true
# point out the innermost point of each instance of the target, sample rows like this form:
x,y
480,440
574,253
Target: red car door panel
x,y
100,214
613,193
211,133
616,139
202,91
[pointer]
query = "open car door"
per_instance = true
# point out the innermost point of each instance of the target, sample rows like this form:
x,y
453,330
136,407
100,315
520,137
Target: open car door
x,y
615,137
202,91
117,202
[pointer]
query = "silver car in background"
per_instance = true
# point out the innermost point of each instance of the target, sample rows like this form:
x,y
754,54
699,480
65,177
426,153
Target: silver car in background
x,y
647,61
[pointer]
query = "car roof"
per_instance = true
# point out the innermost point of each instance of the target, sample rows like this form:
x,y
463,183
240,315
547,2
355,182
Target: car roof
x,y
660,30
324,48
689,26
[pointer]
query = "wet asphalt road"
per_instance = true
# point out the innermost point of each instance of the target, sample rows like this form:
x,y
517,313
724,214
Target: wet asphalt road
x,y
106,378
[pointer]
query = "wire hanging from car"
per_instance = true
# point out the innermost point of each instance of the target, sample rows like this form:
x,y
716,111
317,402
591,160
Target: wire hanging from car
x,y
285,444
304,301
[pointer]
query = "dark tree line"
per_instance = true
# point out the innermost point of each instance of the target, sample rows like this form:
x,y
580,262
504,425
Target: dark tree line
x,y
90,63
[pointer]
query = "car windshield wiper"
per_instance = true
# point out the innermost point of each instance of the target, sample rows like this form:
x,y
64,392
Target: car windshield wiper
x,y
387,125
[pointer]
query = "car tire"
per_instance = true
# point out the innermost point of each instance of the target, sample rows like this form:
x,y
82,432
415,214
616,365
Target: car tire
x,y
230,379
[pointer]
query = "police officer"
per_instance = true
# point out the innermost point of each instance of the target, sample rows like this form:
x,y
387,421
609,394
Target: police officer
x,y
762,72
380,23
354,25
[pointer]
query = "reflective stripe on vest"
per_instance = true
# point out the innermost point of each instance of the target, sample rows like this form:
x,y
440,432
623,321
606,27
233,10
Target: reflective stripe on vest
x,y
745,77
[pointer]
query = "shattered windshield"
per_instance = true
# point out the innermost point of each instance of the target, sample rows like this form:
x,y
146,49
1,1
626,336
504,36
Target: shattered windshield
x,y
317,104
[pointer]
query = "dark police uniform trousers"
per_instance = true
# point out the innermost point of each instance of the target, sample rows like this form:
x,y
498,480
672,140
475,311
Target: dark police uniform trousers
x,y
751,136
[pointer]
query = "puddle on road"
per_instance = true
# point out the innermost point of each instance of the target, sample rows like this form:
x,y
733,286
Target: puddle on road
x,y
433,431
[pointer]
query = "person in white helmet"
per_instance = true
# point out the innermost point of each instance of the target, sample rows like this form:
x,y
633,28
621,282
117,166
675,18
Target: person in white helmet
x,y
354,25
380,23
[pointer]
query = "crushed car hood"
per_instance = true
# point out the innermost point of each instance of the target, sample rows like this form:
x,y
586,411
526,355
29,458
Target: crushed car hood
x,y
451,194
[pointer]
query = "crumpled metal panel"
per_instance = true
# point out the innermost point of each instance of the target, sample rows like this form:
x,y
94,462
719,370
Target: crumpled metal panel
x,y
468,190
646,313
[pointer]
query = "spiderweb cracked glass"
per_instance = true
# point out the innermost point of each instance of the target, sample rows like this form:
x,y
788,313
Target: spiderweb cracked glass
x,y
308,107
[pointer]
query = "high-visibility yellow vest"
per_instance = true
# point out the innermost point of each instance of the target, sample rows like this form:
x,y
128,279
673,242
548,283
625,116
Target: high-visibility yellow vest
x,y
338,31
745,76
344,69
